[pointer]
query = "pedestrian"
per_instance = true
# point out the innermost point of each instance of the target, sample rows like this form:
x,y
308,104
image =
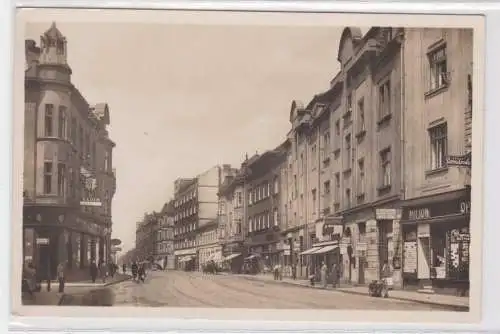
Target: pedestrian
x,y
93,271
386,276
29,279
104,271
294,271
124,267
324,270
334,275
275,272
134,270
111,269
61,277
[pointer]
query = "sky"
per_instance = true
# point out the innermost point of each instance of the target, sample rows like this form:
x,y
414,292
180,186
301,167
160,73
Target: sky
x,y
184,98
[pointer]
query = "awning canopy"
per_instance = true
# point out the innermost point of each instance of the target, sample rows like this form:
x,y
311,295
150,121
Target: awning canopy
x,y
253,256
231,256
326,249
216,257
185,259
310,251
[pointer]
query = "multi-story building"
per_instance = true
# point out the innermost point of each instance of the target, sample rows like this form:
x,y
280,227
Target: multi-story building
x,y
231,220
195,221
165,237
263,197
437,157
146,236
68,178
343,162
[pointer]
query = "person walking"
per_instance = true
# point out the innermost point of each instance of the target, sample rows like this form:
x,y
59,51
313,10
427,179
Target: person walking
x,y
93,271
29,279
61,277
134,270
104,271
124,268
324,270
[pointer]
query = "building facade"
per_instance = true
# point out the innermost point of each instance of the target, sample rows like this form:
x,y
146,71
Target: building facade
x,y
146,237
437,157
195,222
232,222
165,237
68,178
263,239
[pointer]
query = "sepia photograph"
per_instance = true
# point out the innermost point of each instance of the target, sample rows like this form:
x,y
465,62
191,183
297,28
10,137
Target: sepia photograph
x,y
189,162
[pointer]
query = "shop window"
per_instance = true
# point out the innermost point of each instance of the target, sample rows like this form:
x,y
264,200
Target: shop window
x,y
439,146
49,120
458,253
313,157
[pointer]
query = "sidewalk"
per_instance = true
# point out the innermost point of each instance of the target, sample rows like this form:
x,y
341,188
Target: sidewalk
x,y
458,303
53,297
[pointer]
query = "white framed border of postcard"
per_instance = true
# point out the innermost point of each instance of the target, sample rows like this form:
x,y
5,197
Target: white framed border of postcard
x,y
478,205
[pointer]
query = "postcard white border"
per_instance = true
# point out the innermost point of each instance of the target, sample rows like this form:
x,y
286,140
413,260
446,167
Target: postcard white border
x,y
306,19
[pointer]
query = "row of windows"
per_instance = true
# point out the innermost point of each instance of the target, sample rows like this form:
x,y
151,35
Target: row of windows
x,y
185,244
208,237
263,191
186,198
188,212
167,234
74,133
263,221
184,229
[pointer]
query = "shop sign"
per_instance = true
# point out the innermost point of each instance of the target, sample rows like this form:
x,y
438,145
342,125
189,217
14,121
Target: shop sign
x,y
459,160
423,230
42,241
386,214
438,209
90,192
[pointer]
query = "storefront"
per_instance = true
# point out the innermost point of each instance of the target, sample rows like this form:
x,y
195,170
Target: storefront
x,y
436,241
52,236
234,254
185,259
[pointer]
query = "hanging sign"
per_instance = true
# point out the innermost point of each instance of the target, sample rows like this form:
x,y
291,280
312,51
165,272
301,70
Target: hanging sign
x,y
90,195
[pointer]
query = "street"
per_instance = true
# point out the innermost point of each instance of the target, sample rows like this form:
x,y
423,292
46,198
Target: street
x,y
194,289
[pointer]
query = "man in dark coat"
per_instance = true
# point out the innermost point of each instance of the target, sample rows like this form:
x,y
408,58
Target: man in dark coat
x,y
93,271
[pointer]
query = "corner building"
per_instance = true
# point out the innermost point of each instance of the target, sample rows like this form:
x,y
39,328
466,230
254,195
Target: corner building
x,y
437,158
68,178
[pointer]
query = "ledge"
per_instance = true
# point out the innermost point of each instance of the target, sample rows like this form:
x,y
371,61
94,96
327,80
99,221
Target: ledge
x,y
384,120
437,171
436,91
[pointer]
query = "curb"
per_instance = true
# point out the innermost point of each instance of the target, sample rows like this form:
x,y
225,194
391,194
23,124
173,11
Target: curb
x,y
461,308
128,277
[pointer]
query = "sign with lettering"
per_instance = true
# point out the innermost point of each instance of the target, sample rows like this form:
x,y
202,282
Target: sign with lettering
x,y
386,214
458,206
90,195
459,160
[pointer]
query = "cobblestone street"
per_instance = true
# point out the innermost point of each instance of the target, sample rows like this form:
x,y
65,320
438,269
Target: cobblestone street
x,y
180,289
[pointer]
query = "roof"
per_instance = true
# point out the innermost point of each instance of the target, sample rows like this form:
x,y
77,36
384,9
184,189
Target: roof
x,y
53,32
101,111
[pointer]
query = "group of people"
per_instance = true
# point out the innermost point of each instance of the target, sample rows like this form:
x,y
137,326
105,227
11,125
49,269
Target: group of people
x,y
138,271
325,274
103,269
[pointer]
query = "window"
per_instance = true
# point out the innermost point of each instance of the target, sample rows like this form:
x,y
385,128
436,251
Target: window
x,y
62,122
47,178
302,163
275,217
348,198
313,156
73,130
313,193
326,143
87,145
276,186
250,200
61,178
385,166
361,115
326,196
49,120
106,161
349,103
337,127
361,177
384,99
438,138
94,151
269,189
80,136
348,158
438,68
250,225
337,187
295,186
239,198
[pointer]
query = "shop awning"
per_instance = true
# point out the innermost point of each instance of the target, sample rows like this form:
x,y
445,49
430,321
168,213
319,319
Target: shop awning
x,y
231,256
216,257
186,258
253,256
326,249
310,251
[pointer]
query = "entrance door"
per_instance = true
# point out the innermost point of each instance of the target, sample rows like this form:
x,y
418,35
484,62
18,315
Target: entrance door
x,y
361,270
